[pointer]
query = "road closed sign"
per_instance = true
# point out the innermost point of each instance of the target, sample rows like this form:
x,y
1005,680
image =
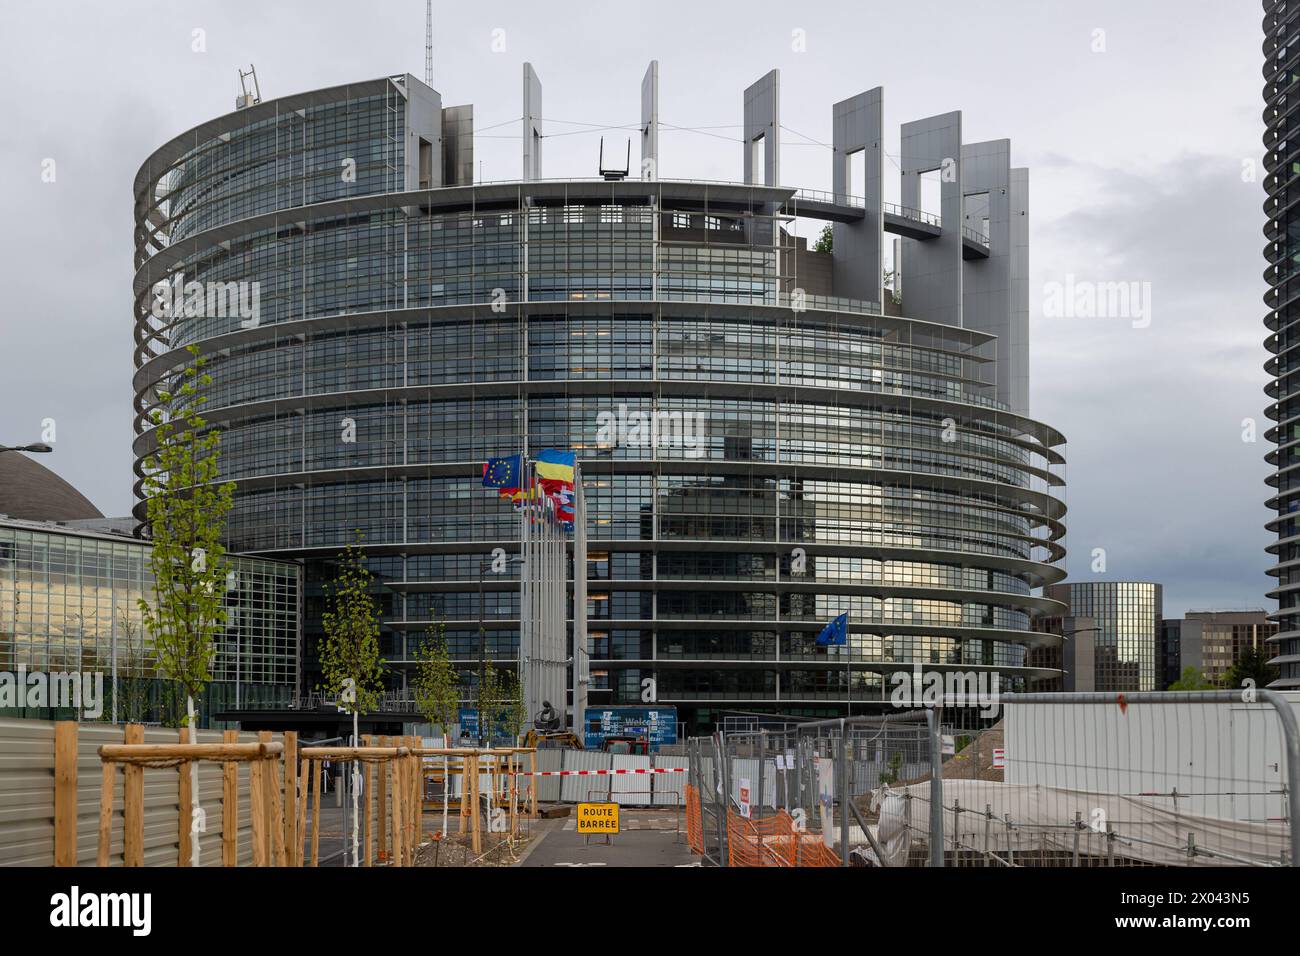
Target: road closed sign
x,y
598,818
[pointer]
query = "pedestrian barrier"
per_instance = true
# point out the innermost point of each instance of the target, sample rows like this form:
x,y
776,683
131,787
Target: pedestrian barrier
x,y
134,756
398,778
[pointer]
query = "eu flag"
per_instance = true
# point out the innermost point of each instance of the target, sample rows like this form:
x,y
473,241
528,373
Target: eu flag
x,y
503,472
836,632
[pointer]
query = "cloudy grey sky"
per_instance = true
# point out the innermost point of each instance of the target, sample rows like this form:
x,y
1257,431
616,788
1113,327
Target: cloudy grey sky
x,y
1136,155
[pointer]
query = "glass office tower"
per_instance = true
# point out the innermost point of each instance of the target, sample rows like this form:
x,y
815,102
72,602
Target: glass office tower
x,y
1124,620
807,451
1282,251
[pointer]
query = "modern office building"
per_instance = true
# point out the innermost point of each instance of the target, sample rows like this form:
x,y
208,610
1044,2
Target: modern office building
x,y
823,448
1282,230
1213,641
69,603
1124,628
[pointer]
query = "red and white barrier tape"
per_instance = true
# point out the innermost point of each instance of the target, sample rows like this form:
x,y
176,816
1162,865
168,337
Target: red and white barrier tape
x,y
597,773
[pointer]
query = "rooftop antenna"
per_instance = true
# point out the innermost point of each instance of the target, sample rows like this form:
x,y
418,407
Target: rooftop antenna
x,y
614,175
246,98
428,43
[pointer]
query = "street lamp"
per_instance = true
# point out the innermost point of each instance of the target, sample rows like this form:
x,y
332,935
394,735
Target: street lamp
x,y
38,448
482,641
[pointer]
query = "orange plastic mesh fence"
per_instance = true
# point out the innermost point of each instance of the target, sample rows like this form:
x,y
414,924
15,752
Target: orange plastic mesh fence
x,y
694,824
773,841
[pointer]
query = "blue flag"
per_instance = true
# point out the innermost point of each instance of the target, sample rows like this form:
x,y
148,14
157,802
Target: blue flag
x,y
836,632
503,472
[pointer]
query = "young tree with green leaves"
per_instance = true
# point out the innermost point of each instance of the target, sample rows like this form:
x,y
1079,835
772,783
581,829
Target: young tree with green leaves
x,y
186,509
825,239
349,656
516,710
1192,679
436,685
488,699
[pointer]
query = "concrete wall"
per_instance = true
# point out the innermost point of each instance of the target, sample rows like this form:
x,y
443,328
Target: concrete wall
x,y
423,122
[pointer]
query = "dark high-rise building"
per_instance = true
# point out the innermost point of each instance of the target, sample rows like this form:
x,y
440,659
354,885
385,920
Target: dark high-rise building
x,y
1174,636
1282,251
769,436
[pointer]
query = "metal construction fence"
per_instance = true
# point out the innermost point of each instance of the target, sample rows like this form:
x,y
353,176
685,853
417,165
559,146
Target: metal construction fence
x,y
1143,779
796,794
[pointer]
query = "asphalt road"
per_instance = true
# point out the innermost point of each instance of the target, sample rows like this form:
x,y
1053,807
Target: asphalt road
x,y
646,838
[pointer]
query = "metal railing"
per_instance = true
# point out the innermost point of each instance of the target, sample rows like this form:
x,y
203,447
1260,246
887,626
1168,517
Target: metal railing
x,y
389,701
916,215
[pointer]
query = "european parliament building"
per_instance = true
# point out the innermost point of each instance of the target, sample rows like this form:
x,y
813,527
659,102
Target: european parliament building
x,y
1281,26
769,435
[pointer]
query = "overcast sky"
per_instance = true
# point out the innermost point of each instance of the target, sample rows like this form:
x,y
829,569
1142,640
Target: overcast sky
x,y
1136,120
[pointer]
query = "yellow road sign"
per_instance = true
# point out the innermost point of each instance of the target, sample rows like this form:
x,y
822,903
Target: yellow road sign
x,y
598,818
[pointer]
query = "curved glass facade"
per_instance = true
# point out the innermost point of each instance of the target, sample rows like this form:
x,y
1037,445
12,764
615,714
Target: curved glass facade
x,y
1282,230
811,462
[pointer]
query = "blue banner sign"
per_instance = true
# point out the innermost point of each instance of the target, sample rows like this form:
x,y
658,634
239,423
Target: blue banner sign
x,y
658,724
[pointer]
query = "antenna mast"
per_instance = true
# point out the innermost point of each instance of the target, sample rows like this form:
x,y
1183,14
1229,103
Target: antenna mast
x,y
428,42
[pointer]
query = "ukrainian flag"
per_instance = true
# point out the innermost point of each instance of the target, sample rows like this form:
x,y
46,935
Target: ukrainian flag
x,y
556,468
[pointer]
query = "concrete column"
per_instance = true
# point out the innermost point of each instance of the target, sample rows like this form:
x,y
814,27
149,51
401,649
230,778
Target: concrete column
x,y
857,253
934,266
532,125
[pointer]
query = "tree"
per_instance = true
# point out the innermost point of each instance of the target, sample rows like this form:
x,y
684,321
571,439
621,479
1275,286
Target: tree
x,y
349,656
186,511
826,240
488,699
889,776
516,710
1252,665
186,508
436,683
134,673
1192,679
350,650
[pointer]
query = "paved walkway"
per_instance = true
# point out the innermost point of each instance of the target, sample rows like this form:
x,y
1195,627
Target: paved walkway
x,y
647,838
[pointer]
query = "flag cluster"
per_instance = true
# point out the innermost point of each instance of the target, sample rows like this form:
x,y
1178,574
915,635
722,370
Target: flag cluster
x,y
547,489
